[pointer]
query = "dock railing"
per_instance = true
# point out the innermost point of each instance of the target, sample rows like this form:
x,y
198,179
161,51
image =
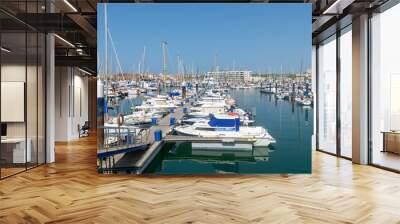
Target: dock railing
x,y
147,141
117,141
119,136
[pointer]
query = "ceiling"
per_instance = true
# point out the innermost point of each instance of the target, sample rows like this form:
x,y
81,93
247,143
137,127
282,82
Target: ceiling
x,y
75,21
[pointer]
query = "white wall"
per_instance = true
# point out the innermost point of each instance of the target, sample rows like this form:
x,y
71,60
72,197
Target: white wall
x,y
71,87
13,72
33,126
61,103
10,73
79,117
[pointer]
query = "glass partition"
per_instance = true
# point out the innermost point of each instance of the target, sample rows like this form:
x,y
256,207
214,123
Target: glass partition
x,y
346,92
22,88
41,97
14,153
385,89
327,95
31,97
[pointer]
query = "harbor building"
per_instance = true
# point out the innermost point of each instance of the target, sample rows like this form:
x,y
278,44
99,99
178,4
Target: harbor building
x,y
48,75
230,76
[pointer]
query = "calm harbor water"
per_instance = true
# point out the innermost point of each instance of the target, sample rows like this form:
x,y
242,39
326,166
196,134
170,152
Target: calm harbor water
x,y
289,123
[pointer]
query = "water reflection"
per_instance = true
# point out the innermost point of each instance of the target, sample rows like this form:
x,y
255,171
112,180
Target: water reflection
x,y
288,122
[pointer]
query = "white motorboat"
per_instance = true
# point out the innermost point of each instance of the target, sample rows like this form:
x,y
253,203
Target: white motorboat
x,y
286,95
202,118
133,92
210,108
298,99
279,96
198,114
159,104
204,111
140,117
266,90
227,127
193,120
209,100
306,102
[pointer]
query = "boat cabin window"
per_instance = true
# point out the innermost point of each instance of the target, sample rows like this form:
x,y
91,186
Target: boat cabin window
x,y
205,128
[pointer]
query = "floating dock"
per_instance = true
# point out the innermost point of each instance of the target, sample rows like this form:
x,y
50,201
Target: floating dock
x,y
155,146
137,157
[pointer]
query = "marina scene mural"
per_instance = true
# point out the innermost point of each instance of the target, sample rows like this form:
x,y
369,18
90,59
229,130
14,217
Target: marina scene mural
x,y
210,95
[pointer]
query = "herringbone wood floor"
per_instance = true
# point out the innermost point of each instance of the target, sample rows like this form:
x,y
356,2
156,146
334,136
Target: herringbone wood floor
x,y
71,191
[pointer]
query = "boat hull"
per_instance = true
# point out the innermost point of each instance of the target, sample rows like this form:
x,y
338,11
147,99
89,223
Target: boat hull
x,y
228,142
246,147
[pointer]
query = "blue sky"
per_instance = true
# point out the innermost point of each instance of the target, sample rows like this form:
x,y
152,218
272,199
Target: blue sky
x,y
257,37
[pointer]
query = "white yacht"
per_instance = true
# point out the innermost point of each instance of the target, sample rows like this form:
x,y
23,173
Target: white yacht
x,y
209,108
227,127
141,117
279,96
204,111
306,102
157,104
202,118
133,92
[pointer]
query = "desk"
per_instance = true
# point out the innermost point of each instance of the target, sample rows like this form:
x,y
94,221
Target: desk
x,y
391,141
13,150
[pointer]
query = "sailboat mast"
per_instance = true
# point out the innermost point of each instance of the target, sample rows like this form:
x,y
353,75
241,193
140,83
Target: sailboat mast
x,y
105,40
178,60
164,50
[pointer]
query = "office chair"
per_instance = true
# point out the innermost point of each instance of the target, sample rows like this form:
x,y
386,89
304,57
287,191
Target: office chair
x,y
84,130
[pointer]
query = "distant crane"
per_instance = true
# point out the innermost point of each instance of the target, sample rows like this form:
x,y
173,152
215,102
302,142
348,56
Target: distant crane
x,y
164,45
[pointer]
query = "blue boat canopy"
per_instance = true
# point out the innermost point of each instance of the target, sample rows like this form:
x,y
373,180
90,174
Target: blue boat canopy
x,y
173,93
224,122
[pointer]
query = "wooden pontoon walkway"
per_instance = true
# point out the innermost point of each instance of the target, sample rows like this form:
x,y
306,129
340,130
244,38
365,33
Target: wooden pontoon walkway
x,y
155,146
135,158
103,153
